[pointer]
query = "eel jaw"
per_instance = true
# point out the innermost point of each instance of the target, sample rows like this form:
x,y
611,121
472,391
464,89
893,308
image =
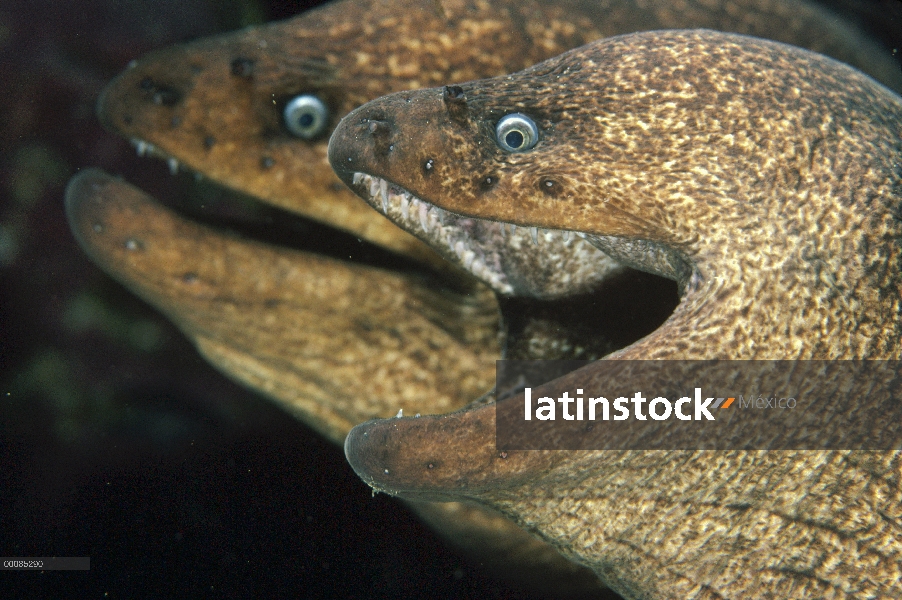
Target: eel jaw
x,y
147,149
511,259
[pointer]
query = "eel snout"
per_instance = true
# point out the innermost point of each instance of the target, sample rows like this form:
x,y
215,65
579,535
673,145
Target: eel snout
x,y
442,457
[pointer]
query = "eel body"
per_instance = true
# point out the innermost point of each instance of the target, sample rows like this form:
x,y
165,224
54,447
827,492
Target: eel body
x,y
767,181
332,341
216,106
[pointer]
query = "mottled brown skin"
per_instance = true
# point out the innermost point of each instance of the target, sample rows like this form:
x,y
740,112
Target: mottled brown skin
x,y
302,327
767,181
215,107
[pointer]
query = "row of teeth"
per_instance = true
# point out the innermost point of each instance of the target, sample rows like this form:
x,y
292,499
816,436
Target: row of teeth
x,y
433,221
148,149
380,188
442,228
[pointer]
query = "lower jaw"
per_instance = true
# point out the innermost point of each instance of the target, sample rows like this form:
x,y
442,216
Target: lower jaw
x,y
205,201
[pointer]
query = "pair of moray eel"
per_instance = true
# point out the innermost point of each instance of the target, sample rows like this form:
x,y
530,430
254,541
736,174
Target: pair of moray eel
x,y
765,180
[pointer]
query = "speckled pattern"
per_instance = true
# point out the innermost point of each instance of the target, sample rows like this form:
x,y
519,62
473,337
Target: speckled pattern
x,y
768,180
659,138
214,105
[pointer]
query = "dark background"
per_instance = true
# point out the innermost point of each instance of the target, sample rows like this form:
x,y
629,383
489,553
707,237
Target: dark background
x,y
117,441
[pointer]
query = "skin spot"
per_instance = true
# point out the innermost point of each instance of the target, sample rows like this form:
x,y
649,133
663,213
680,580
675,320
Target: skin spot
x,y
488,182
133,245
242,67
267,162
550,187
209,142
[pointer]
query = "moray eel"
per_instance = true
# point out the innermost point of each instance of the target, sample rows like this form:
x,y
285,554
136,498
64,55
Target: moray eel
x,y
765,180
253,110
245,110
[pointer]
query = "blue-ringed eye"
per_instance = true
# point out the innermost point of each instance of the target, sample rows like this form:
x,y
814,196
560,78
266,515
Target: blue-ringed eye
x,y
516,133
306,116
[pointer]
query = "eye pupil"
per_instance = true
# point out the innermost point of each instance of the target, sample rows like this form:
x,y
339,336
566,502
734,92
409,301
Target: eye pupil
x,y
306,116
514,139
516,133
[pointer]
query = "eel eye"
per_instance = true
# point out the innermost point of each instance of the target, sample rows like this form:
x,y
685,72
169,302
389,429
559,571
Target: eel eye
x,y
306,116
516,133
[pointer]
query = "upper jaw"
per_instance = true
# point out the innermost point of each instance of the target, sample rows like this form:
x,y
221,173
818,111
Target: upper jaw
x,y
463,241
512,260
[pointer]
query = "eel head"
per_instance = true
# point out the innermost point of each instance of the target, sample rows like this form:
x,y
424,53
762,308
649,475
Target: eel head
x,y
766,181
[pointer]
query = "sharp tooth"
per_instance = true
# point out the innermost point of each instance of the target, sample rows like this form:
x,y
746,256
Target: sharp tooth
x,y
469,255
385,204
459,250
535,234
383,189
424,216
566,236
374,187
478,268
358,177
405,208
581,234
440,215
513,229
173,166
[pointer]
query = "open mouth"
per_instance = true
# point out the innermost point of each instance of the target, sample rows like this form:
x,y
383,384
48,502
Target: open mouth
x,y
252,218
512,260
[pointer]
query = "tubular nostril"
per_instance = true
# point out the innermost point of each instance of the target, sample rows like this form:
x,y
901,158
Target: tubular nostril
x,y
455,101
159,93
378,128
381,132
